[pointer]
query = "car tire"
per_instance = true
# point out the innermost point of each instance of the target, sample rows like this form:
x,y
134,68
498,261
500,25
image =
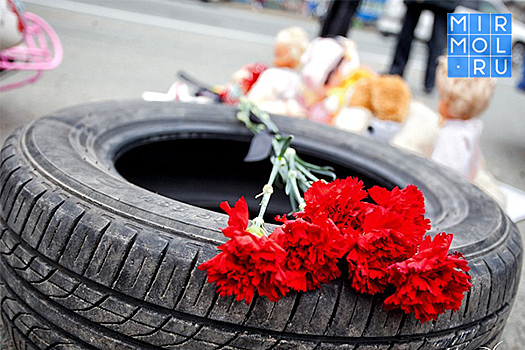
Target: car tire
x,y
93,259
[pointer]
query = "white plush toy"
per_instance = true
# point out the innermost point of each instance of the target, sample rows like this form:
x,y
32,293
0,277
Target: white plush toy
x,y
279,91
419,130
354,119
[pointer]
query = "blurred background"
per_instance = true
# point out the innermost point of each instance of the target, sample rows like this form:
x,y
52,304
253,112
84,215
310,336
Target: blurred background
x,y
119,49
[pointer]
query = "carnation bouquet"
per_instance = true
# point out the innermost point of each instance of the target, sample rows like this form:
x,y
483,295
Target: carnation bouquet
x,y
380,233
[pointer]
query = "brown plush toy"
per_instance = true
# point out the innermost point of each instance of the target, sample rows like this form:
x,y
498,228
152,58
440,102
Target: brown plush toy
x,y
386,96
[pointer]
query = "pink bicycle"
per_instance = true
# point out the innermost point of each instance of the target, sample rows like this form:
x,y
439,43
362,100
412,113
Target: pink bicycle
x,y
28,43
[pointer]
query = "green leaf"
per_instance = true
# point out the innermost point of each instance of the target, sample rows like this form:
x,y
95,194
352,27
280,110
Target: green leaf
x,y
285,143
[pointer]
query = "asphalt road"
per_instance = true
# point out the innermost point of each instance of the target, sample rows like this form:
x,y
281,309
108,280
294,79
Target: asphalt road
x,y
118,49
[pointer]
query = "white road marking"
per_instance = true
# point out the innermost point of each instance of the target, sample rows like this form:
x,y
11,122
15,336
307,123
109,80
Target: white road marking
x,y
195,28
156,21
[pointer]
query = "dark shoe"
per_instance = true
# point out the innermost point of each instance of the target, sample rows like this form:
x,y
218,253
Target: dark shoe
x,y
428,90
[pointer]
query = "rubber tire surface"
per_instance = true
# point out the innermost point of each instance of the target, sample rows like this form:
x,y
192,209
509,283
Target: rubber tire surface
x,y
91,261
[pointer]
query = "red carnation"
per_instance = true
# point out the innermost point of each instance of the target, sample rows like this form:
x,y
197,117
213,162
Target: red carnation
x,y
380,242
408,202
238,218
431,282
247,261
341,200
313,250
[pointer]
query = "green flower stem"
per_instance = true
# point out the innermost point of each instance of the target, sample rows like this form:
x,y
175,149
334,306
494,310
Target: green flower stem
x,y
268,190
298,196
296,174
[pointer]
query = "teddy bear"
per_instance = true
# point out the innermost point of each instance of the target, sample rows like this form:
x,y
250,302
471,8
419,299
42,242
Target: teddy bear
x,y
381,107
385,96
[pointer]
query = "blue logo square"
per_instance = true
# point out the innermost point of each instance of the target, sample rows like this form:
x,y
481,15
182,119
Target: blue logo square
x,y
479,45
500,23
457,23
457,45
479,67
501,67
457,67
479,23
501,45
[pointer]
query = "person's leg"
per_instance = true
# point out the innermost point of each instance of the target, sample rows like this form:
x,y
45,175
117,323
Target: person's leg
x,y
404,40
333,8
521,84
339,18
436,47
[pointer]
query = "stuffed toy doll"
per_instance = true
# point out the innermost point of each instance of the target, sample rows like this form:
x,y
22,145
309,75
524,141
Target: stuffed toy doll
x,y
452,139
290,44
279,90
328,64
461,101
